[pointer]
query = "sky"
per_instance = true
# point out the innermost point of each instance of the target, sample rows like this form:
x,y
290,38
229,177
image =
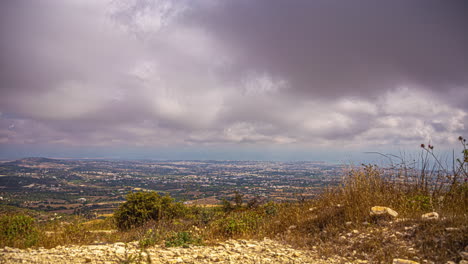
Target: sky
x,y
221,79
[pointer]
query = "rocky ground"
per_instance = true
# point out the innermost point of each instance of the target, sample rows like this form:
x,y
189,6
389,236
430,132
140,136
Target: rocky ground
x,y
231,251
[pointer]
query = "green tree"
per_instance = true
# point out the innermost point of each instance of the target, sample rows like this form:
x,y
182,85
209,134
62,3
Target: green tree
x,y
141,207
238,199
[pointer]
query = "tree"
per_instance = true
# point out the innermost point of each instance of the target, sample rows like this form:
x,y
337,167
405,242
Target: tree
x,y
238,199
141,207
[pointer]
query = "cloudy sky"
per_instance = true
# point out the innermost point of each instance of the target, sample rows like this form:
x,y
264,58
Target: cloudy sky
x,y
221,79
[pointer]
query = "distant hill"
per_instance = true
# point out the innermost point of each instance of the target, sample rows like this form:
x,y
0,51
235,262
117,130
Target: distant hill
x,y
34,160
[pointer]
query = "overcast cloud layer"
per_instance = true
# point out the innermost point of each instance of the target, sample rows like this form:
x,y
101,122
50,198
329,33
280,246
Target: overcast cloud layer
x,y
227,74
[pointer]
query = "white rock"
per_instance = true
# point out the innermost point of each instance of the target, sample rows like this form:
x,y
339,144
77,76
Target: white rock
x,y
464,255
404,261
120,250
430,216
383,211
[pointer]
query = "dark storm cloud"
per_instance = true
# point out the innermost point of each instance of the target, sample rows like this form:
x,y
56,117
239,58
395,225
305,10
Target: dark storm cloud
x,y
335,48
163,73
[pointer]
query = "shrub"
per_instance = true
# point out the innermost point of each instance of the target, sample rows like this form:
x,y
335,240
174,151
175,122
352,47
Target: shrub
x,y
244,223
18,231
150,238
238,199
141,207
420,202
226,205
182,239
271,208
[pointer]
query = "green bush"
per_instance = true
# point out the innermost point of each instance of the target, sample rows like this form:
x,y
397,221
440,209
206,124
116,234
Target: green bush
x,y
226,205
18,231
244,223
149,239
141,207
420,203
271,208
182,239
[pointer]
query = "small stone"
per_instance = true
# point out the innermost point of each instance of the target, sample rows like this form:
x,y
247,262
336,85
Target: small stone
x,y
430,216
450,262
120,250
383,211
463,262
464,255
404,261
215,259
87,260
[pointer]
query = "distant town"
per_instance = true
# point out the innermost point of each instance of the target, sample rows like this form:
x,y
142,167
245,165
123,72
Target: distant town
x,y
96,187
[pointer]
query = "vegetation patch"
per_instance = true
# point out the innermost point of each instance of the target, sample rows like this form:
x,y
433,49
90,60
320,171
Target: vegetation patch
x,y
183,239
18,230
142,207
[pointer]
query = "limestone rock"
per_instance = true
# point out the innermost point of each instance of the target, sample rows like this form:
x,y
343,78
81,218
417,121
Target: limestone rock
x,y
383,211
120,250
404,261
464,255
119,244
430,216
